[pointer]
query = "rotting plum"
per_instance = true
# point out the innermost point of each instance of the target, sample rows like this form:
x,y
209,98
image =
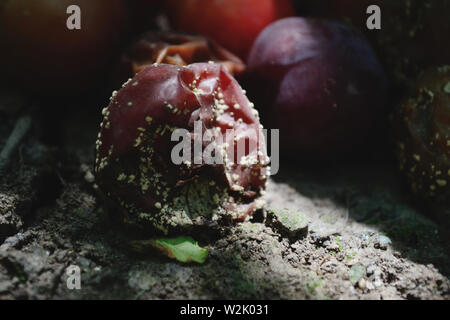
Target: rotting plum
x,y
319,82
40,53
234,24
177,49
134,164
422,131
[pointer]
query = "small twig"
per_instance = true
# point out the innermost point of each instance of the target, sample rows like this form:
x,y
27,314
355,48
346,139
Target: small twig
x,y
20,130
61,179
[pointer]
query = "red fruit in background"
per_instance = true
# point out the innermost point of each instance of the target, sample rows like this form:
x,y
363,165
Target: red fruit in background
x,y
42,54
134,164
177,49
319,82
234,24
422,131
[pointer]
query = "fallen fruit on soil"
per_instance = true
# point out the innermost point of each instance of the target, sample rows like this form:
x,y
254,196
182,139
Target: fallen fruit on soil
x,y
178,49
38,50
135,164
317,81
422,130
235,24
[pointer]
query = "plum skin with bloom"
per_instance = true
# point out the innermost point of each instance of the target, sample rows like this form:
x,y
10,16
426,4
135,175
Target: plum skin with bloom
x,y
133,163
319,82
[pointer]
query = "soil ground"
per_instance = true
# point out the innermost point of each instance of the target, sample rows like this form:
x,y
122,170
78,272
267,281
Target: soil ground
x,y
367,238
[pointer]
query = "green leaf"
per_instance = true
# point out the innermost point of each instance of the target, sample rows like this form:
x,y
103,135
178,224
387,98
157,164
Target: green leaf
x,y
356,273
184,249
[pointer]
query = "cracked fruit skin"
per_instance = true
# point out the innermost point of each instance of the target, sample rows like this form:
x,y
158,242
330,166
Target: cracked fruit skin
x,y
422,130
133,162
40,53
234,24
319,82
178,49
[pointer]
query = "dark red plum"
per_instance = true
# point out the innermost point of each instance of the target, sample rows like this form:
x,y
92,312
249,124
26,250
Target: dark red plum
x,y
319,82
134,163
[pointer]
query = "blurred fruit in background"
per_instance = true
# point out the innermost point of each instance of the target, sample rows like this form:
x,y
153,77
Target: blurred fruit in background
x,y
178,49
422,131
412,35
234,24
39,52
319,82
